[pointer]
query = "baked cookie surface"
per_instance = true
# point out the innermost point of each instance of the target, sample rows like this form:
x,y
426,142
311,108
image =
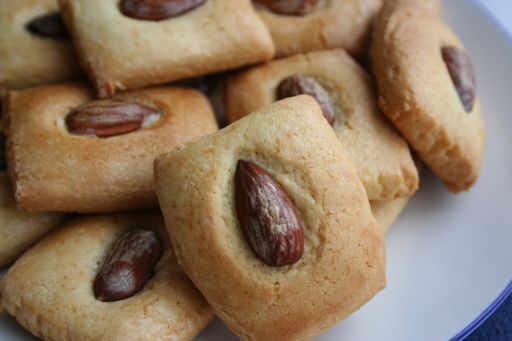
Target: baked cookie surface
x,y
343,260
56,170
381,156
28,58
328,24
50,288
387,212
131,53
18,230
419,90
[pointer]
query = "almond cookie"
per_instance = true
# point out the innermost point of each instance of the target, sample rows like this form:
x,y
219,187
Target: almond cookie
x,y
130,44
52,289
67,152
349,102
35,47
271,222
387,212
306,25
427,89
18,230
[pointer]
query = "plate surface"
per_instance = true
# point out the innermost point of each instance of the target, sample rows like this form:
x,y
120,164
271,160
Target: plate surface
x,y
448,255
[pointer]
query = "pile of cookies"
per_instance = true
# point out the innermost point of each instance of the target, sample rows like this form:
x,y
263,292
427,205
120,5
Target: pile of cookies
x,y
274,223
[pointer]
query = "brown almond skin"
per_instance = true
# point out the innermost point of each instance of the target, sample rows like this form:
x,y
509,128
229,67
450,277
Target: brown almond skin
x,y
290,7
3,160
127,266
301,84
107,118
48,26
267,216
157,10
462,73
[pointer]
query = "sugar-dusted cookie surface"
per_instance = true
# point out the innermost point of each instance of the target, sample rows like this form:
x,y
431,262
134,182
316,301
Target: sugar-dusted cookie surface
x,y
320,24
34,46
427,89
57,164
381,156
343,260
121,49
50,288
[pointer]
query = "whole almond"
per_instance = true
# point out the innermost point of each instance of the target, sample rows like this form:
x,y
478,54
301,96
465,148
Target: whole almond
x,y
108,118
48,26
290,7
267,216
156,10
301,84
462,74
127,266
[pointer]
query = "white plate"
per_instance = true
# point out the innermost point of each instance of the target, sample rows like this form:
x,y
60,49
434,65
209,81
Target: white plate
x,y
449,256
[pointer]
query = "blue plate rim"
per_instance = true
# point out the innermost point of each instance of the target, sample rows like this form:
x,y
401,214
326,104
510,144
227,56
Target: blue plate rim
x,y
477,322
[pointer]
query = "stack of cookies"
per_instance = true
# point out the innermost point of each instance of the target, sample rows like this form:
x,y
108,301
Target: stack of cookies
x,y
275,223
